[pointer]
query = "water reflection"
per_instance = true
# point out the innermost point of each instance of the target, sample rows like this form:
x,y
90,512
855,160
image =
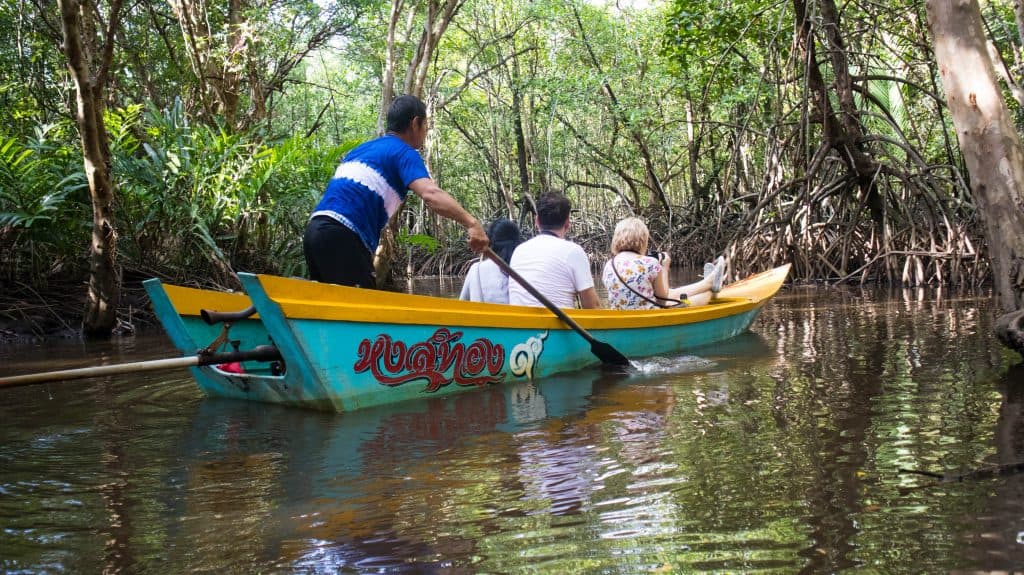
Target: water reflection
x,y
354,490
993,537
779,451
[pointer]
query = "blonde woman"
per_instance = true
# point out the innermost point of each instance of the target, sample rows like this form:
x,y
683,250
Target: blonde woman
x,y
635,280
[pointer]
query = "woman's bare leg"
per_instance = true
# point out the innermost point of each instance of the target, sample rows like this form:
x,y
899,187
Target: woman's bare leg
x,y
692,289
699,293
702,298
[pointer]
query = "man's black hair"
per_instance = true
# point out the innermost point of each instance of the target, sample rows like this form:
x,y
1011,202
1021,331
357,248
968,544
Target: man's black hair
x,y
403,110
552,210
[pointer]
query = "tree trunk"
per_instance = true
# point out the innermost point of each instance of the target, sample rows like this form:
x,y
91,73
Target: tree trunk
x,y
438,17
841,131
1018,15
88,68
517,119
196,35
988,139
231,77
851,134
388,91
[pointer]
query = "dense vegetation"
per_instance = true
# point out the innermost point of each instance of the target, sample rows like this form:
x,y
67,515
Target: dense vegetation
x,y
769,130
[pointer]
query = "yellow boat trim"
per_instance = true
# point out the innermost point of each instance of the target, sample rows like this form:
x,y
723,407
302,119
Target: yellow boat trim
x,y
301,299
188,301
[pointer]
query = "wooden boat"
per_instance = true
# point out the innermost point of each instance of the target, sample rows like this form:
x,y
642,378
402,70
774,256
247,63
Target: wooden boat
x,y
345,348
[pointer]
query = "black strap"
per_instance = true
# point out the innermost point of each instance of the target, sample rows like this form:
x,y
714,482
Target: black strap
x,y
550,233
642,296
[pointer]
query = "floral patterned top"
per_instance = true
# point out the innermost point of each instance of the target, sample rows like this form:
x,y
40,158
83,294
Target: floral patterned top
x,y
639,272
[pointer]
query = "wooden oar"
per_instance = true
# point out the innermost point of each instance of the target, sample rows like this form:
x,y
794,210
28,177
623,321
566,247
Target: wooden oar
x,y
259,353
605,352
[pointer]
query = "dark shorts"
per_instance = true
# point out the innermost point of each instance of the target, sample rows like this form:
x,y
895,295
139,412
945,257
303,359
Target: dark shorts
x,y
335,254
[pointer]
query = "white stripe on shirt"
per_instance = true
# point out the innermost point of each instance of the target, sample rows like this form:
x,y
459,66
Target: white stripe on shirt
x,y
372,179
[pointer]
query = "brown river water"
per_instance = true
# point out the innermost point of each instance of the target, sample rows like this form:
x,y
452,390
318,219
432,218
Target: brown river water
x,y
778,452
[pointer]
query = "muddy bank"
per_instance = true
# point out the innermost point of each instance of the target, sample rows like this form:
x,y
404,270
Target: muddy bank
x,y
55,311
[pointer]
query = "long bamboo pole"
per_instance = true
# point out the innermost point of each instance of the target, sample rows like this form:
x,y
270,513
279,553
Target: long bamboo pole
x,y
259,353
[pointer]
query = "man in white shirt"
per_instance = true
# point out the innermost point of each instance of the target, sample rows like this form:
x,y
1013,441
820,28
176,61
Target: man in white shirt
x,y
558,268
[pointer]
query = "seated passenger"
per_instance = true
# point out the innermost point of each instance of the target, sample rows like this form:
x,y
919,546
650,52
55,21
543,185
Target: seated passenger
x,y
635,280
558,268
485,282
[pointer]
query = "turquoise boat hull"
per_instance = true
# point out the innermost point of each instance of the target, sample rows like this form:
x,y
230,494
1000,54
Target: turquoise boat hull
x,y
345,349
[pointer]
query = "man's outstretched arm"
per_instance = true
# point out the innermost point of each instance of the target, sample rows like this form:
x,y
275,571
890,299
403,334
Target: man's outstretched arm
x,y
443,203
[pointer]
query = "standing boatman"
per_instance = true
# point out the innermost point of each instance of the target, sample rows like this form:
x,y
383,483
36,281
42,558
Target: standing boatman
x,y
367,188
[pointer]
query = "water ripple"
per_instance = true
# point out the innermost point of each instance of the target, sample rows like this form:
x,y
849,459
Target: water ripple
x,y
778,451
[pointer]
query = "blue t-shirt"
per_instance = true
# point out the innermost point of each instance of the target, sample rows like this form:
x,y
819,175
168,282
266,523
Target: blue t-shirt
x,y
369,185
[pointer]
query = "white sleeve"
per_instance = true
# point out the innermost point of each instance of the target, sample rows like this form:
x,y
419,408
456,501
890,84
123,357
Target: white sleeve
x,y
466,291
579,268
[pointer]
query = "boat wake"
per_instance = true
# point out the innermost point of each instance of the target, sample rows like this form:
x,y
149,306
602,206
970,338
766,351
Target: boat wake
x,y
658,365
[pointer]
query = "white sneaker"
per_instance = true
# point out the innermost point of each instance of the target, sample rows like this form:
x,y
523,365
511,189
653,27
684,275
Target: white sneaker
x,y
717,275
708,270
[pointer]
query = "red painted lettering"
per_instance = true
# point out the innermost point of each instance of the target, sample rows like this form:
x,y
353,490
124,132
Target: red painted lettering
x,y
440,360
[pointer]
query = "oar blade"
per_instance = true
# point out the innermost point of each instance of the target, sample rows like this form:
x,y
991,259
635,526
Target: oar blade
x,y
608,354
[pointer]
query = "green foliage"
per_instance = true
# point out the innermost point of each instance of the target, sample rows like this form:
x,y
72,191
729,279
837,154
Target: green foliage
x,y
710,109
41,192
331,97
30,91
419,241
198,199
193,202
887,100
722,46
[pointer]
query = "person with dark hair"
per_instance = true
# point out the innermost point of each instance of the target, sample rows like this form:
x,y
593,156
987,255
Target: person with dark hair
x,y
485,281
557,267
370,183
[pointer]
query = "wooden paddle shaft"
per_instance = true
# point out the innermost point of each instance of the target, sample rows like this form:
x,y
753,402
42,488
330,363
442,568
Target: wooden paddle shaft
x,y
536,293
260,353
100,370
